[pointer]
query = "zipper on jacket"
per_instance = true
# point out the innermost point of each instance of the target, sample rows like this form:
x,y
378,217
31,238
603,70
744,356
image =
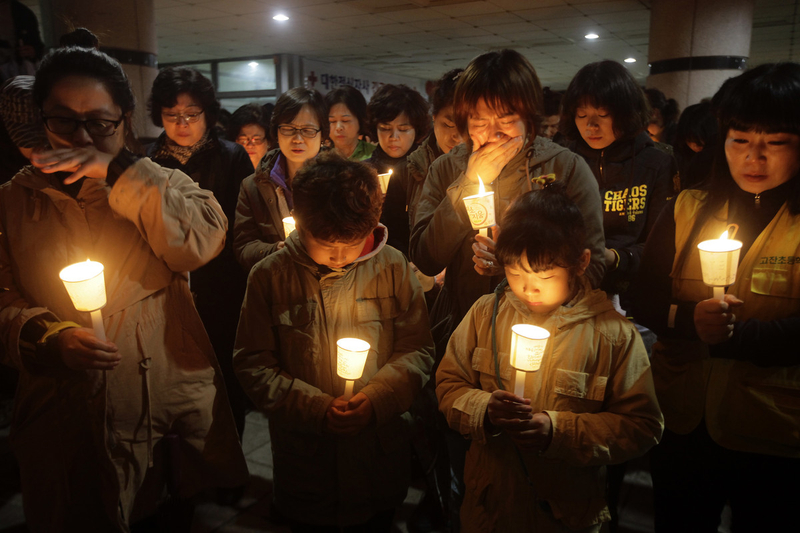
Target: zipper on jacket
x,y
602,155
82,205
758,201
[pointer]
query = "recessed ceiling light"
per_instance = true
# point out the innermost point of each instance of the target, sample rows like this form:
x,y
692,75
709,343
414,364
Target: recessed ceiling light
x,y
253,64
591,36
630,60
281,18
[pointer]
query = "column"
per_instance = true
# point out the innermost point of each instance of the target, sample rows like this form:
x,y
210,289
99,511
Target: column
x,y
127,32
695,45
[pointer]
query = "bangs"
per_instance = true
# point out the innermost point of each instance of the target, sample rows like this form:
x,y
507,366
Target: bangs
x,y
765,101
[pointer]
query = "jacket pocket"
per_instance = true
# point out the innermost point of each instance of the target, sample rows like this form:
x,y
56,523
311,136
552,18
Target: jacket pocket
x,y
297,335
781,282
375,324
580,391
483,362
369,309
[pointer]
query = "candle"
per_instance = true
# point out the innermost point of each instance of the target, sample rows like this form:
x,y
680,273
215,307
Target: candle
x,y
480,209
527,348
719,259
288,226
384,179
86,286
350,358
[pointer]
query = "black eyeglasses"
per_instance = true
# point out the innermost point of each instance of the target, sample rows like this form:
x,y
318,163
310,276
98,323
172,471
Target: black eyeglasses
x,y
291,131
97,127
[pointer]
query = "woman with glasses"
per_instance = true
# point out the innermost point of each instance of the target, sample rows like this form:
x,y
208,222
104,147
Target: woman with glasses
x,y
299,122
248,128
184,102
90,413
347,117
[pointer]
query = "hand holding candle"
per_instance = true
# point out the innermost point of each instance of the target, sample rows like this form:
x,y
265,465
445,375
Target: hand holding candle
x,y
527,349
719,260
350,359
480,209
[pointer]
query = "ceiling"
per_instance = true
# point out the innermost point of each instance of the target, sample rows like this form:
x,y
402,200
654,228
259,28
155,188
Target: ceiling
x,y
424,38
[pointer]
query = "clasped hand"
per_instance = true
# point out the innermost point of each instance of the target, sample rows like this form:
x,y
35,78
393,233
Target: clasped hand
x,y
714,319
514,415
349,417
81,161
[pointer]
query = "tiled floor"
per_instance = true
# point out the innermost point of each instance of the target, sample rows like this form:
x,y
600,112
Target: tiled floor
x,y
252,512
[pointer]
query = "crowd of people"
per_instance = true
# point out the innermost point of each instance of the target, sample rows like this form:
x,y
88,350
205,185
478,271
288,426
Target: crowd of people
x,y
216,306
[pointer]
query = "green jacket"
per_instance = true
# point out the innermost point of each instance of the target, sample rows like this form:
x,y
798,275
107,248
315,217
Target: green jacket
x,y
594,383
442,236
285,357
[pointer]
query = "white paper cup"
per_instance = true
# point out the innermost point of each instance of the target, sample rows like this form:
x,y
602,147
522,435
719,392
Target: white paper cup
x,y
85,284
288,226
350,358
719,260
527,346
480,210
384,179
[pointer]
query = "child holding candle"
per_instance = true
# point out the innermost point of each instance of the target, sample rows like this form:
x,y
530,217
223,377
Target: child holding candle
x,y
337,463
727,373
537,463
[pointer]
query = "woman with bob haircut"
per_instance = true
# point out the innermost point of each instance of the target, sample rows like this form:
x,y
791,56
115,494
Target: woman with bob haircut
x,y
727,372
347,118
90,413
184,103
399,120
605,114
497,107
299,123
248,128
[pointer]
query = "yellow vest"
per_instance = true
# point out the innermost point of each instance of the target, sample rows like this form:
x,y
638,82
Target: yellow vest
x,y
746,407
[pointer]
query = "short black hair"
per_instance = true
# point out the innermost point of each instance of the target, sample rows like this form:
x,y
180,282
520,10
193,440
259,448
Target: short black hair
x,y
289,105
445,90
80,37
507,82
547,227
354,100
552,102
698,125
667,106
247,114
389,101
336,199
76,61
174,81
610,85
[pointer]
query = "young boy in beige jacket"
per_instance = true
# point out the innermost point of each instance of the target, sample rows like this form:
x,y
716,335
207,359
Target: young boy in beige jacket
x,y
338,463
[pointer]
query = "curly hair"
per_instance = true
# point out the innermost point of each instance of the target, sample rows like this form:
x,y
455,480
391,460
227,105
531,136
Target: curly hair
x,y
174,81
389,101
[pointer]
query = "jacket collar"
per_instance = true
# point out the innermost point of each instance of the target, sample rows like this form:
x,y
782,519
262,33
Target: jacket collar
x,y
300,255
586,304
618,151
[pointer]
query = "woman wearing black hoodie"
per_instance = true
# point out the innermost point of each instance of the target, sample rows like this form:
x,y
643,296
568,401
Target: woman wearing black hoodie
x,y
605,116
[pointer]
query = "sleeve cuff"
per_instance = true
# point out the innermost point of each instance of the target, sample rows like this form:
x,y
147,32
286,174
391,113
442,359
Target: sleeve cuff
x,y
120,164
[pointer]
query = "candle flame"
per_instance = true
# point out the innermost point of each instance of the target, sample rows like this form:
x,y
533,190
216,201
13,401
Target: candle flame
x,y
724,235
481,188
390,172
